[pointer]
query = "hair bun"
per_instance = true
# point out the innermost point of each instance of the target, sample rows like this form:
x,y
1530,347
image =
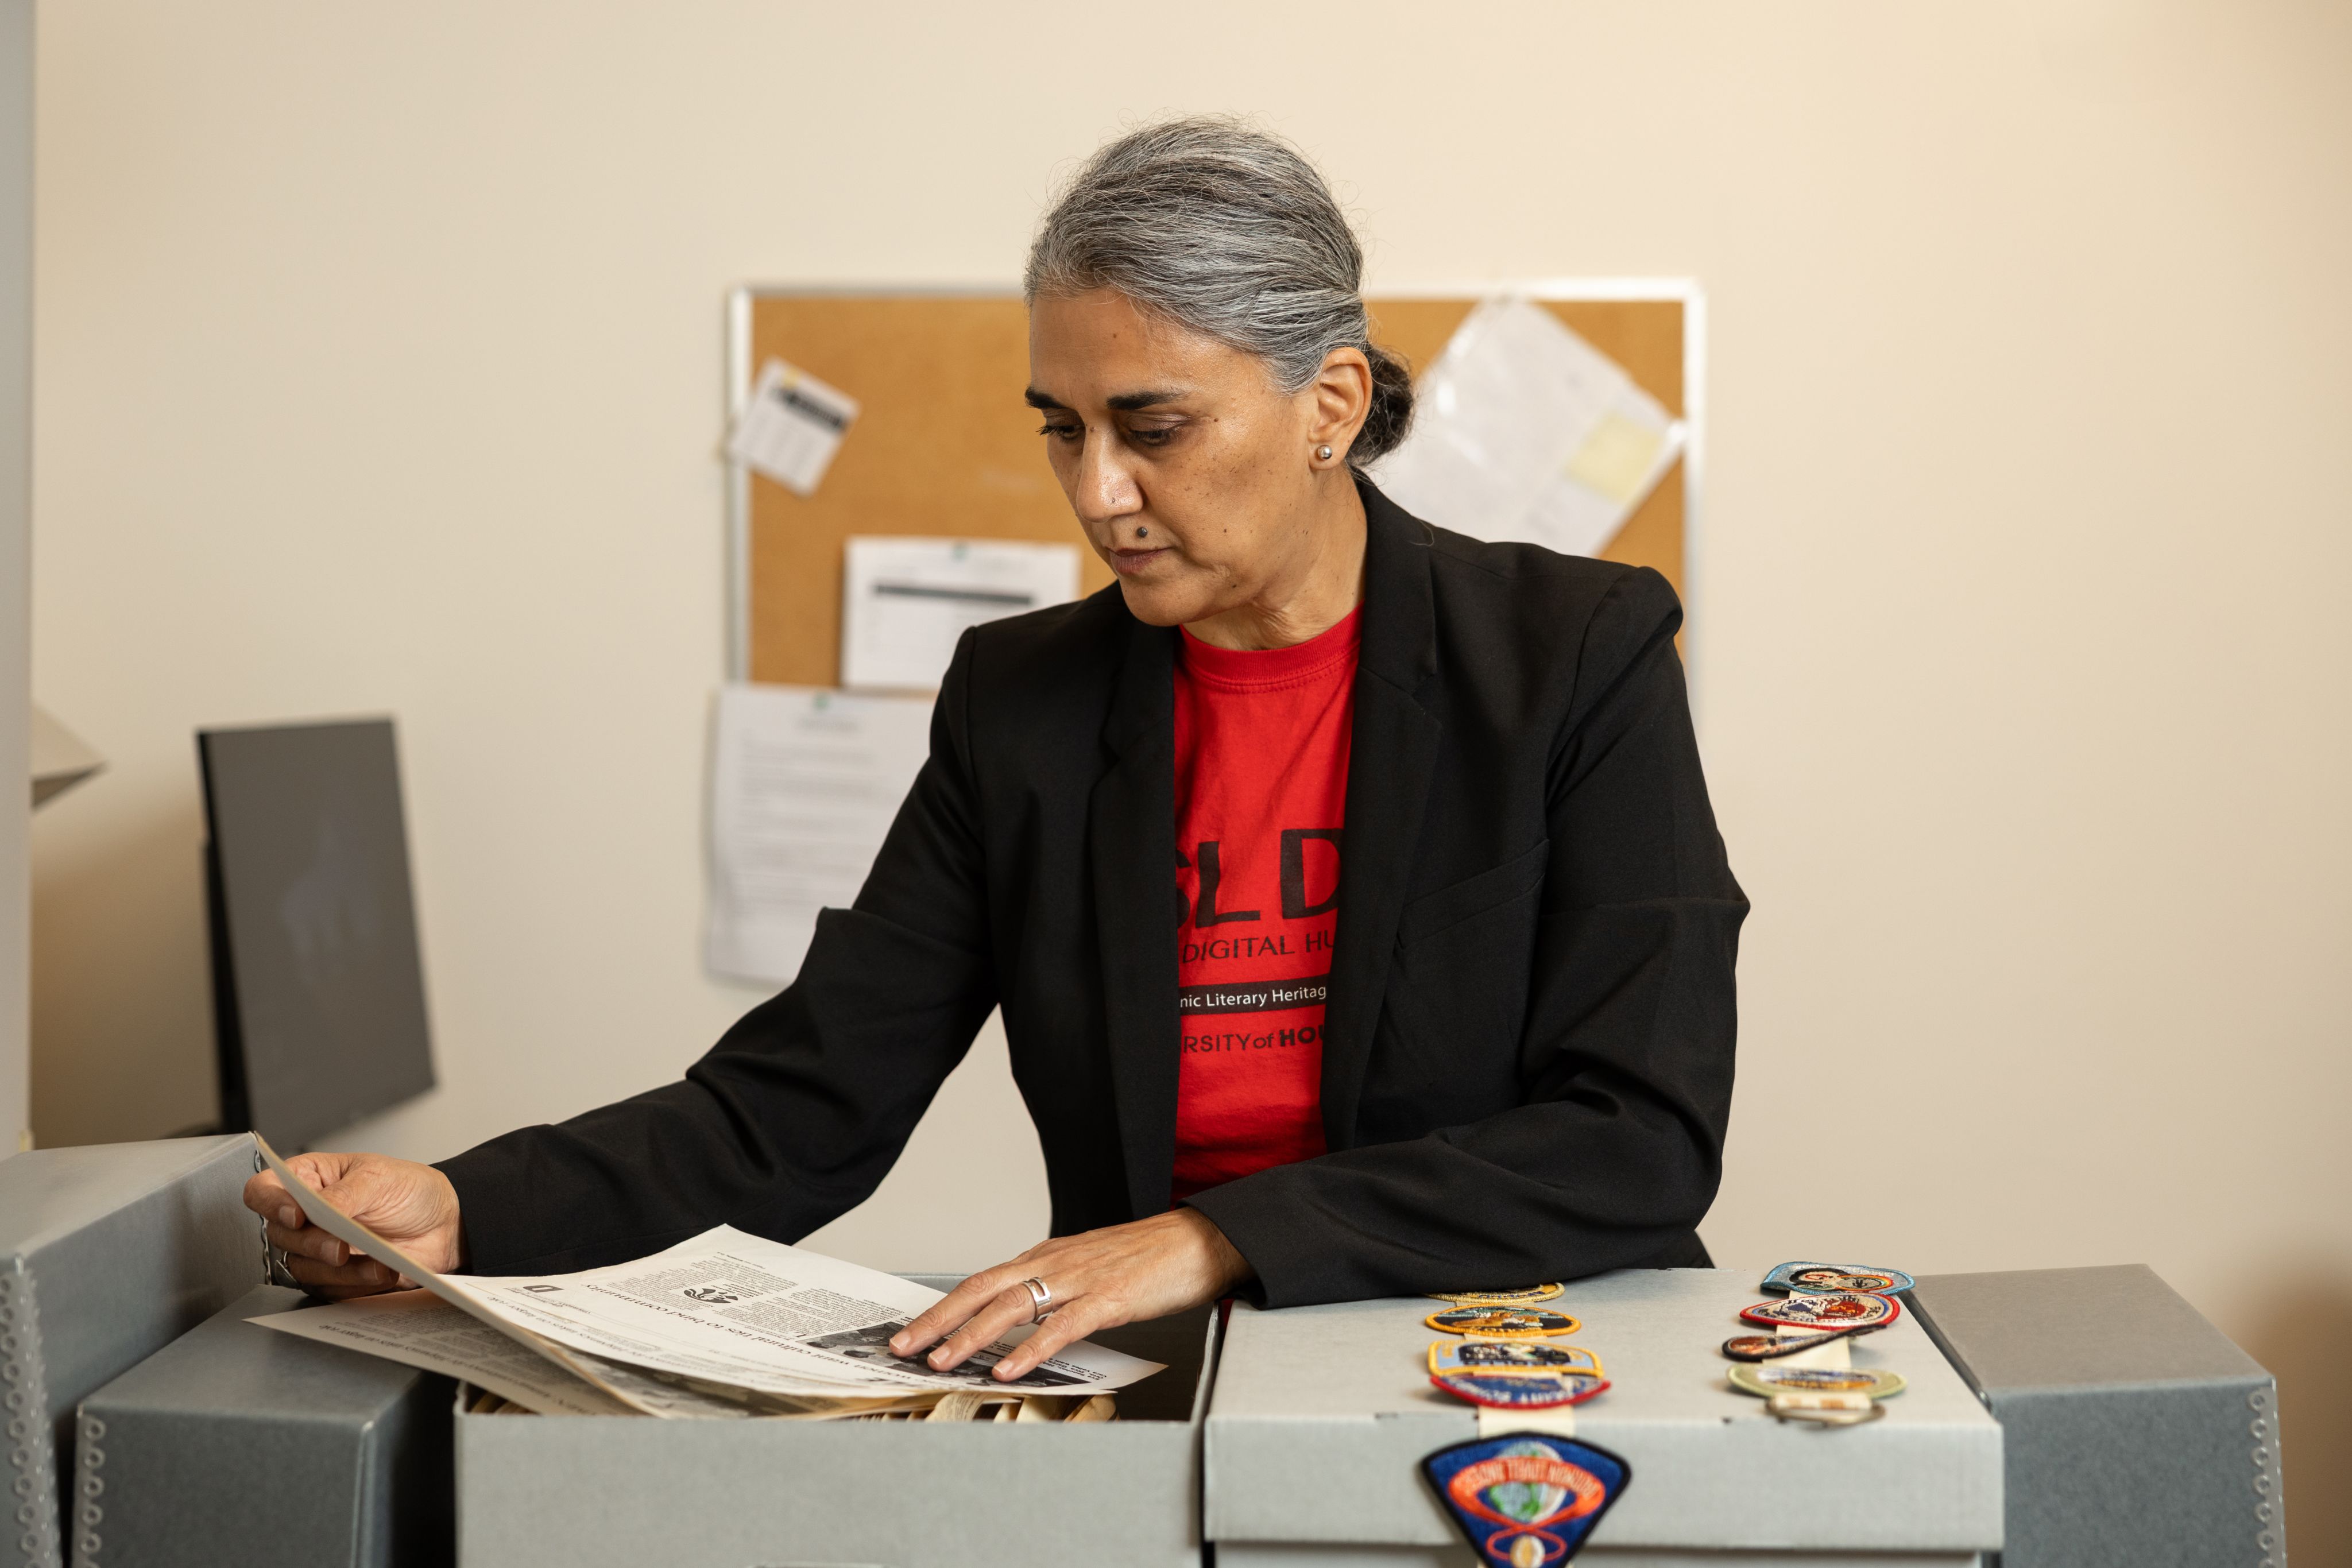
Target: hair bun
x,y
1391,411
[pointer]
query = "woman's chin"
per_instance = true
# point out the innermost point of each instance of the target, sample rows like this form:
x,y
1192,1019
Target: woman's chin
x,y
1164,604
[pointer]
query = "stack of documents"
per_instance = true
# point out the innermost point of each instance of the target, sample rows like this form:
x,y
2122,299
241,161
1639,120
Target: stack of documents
x,y
726,1324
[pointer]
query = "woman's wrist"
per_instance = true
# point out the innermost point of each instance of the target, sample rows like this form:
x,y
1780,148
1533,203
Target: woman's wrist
x,y
1226,1264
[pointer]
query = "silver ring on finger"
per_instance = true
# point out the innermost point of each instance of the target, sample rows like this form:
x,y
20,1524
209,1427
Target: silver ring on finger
x,y
1041,1298
281,1268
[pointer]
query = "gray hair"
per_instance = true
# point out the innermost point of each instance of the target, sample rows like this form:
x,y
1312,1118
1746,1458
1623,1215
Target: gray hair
x,y
1229,231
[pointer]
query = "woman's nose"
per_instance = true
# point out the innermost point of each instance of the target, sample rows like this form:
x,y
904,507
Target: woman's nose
x,y
1106,489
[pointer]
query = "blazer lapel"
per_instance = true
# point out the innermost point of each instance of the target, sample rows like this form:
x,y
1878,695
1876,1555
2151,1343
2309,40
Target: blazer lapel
x,y
1390,760
1131,837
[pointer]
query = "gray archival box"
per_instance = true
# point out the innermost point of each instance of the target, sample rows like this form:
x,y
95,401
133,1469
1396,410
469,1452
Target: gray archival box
x,y
601,1491
350,1451
1322,1416
2137,1435
107,1255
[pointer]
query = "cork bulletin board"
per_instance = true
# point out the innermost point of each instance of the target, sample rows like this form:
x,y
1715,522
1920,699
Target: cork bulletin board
x,y
943,445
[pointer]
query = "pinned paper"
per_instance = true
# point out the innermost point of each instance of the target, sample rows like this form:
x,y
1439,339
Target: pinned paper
x,y
905,601
790,427
804,785
1523,431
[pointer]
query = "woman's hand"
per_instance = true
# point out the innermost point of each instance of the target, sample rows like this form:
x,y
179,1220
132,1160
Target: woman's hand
x,y
411,1206
1120,1274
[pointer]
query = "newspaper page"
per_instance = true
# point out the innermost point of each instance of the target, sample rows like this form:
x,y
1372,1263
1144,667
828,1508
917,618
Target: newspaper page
x,y
418,1329
731,1309
352,1234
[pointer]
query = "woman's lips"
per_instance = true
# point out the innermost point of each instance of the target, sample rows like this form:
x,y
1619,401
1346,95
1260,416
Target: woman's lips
x,y
1129,561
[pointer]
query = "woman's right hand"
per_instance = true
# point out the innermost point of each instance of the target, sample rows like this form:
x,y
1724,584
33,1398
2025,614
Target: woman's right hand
x,y
411,1206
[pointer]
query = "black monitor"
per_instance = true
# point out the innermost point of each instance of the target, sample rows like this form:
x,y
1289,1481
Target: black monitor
x,y
318,988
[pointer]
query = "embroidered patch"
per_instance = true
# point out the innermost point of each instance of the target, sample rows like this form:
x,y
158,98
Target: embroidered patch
x,y
1820,1278
1526,1297
1824,1312
1770,1380
1481,1354
1526,1500
1770,1348
1528,1390
1503,1323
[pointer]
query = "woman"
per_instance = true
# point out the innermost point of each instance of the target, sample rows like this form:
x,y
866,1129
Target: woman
x,y
1495,1049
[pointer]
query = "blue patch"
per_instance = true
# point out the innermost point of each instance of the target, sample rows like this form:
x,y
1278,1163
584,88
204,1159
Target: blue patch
x,y
1483,1354
1526,1500
1540,1390
1823,1278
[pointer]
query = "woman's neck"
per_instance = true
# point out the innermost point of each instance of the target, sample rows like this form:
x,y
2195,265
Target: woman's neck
x,y
1311,596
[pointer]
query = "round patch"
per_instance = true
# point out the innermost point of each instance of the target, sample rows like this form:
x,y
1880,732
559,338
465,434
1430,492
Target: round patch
x,y
1527,1296
1503,1323
1770,1348
1846,1309
1795,1407
1520,1390
1524,1354
1757,1347
1770,1380
1816,1278
1815,1281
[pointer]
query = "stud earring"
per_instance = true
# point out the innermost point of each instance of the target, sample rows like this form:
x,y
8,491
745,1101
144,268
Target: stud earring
x,y
1323,453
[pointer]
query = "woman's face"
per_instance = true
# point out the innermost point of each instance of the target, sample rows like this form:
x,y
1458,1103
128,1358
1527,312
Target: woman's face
x,y
1193,475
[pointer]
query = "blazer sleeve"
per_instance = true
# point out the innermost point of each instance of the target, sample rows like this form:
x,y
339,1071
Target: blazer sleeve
x,y
799,1110
1614,1154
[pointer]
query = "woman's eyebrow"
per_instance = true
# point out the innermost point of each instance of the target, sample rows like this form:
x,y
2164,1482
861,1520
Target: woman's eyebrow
x,y
1123,403
1134,400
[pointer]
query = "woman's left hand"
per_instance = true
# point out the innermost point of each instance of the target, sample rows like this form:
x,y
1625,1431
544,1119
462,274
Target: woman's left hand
x,y
1100,1279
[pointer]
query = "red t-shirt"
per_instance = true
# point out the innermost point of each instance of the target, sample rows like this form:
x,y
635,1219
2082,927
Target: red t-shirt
x,y
1261,790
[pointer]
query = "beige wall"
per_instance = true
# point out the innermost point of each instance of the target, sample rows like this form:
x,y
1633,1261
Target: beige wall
x,y
378,369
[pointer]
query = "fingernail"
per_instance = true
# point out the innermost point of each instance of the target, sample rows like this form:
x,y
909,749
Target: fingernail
x,y
290,1217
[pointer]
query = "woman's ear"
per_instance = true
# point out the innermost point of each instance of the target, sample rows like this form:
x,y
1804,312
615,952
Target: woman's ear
x,y
1342,391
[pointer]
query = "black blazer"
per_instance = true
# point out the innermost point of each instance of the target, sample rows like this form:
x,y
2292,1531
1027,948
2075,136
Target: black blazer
x,y
1528,1056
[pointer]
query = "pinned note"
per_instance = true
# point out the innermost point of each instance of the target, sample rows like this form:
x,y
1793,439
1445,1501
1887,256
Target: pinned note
x,y
805,785
790,427
1523,431
905,602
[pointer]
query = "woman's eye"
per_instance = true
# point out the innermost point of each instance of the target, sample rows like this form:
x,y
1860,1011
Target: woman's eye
x,y
1151,437
1060,432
